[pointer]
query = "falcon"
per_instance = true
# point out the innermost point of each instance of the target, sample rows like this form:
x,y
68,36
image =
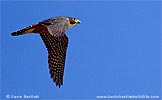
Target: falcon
x,y
52,32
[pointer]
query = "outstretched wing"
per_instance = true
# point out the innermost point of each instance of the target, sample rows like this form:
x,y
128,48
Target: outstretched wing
x,y
56,47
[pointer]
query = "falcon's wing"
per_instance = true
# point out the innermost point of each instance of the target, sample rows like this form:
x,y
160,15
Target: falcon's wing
x,y
56,47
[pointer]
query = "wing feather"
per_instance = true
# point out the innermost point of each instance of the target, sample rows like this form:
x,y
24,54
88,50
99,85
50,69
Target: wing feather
x,y
56,47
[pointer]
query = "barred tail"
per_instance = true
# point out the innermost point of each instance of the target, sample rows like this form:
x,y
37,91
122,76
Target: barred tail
x,y
16,33
26,30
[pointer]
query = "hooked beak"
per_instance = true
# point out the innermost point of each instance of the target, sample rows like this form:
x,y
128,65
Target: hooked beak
x,y
78,21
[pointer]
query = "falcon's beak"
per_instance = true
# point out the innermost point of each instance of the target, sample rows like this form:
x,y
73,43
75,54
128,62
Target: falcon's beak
x,y
78,21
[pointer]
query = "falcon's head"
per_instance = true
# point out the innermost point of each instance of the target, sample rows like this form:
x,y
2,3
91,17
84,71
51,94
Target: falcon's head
x,y
72,22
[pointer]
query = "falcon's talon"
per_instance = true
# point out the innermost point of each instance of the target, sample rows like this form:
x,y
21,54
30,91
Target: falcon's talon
x,y
52,32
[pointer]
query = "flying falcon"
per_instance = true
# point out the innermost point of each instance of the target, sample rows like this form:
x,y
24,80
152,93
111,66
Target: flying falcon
x,y
52,32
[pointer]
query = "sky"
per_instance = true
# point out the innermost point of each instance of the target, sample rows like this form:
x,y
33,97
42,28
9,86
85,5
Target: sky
x,y
116,50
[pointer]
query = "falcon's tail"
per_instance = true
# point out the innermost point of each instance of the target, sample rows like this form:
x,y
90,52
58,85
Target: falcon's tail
x,y
26,30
